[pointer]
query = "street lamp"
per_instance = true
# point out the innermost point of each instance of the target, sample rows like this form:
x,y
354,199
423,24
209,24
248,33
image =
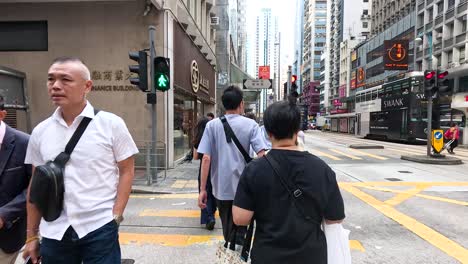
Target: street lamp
x,y
277,90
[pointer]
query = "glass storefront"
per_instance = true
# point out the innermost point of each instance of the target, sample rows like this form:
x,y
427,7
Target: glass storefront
x,y
183,124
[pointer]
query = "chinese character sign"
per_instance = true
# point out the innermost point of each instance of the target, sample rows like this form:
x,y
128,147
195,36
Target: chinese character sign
x,y
264,72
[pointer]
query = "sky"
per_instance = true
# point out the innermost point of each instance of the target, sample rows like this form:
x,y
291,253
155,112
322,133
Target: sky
x,y
286,11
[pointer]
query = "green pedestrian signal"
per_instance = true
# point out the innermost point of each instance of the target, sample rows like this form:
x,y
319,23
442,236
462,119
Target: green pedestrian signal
x,y
162,74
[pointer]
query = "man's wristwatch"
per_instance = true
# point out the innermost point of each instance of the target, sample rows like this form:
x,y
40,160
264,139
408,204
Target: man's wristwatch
x,y
118,219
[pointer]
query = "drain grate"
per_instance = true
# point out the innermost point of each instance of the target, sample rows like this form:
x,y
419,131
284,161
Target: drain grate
x,y
404,171
392,179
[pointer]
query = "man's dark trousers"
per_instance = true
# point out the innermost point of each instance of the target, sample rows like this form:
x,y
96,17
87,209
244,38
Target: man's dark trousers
x,y
98,247
225,213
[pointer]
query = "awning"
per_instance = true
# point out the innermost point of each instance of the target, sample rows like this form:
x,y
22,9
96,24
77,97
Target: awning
x,y
341,115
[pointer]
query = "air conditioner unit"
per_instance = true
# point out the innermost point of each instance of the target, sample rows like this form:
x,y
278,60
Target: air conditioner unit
x,y
214,21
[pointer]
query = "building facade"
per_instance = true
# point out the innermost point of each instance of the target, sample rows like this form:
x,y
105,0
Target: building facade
x,y
387,12
442,31
77,28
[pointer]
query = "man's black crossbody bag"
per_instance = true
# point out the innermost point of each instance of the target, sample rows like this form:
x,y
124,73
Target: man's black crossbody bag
x,y
48,187
230,136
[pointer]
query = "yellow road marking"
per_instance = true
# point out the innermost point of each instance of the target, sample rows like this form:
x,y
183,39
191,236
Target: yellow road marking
x,y
192,184
402,183
356,245
429,197
166,196
171,240
179,184
322,154
166,239
368,154
173,213
448,246
403,196
346,155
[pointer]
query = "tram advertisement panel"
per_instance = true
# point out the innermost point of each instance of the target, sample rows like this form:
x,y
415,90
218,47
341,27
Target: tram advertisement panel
x,y
395,102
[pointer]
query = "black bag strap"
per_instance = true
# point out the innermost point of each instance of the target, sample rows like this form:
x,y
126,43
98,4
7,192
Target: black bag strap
x,y
230,136
63,157
294,192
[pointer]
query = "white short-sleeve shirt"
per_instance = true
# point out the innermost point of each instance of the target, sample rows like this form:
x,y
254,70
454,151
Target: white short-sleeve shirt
x,y
91,175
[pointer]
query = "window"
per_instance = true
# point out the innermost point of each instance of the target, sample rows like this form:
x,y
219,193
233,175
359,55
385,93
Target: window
x,y
450,56
24,36
366,1
365,24
365,12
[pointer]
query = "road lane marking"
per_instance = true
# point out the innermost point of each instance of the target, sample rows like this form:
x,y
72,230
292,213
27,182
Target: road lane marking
x,y
323,154
429,197
179,184
403,196
448,246
166,196
346,155
368,154
173,213
174,240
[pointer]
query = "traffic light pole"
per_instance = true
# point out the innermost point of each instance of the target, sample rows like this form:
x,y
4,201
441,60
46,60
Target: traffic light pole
x,y
154,118
429,124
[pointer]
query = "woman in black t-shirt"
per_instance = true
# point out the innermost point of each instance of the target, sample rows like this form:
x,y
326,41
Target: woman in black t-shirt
x,y
283,234
207,214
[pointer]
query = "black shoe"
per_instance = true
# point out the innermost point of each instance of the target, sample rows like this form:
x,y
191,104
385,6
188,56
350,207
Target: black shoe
x,y
210,225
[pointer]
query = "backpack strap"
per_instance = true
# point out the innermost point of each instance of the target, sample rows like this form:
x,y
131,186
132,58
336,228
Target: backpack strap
x,y
63,157
230,136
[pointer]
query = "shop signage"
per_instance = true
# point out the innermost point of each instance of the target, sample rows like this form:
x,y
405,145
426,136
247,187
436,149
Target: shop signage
x,y
257,84
354,55
197,79
396,54
338,111
353,84
395,102
337,102
264,72
112,81
369,106
342,91
360,77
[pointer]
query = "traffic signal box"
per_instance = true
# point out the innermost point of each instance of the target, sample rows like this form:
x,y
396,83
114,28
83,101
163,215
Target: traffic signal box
x,y
141,70
162,74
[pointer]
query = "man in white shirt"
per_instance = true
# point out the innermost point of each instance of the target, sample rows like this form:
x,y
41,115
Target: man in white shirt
x,y
98,177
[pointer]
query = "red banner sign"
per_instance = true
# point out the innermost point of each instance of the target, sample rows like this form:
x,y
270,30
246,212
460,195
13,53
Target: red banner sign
x,y
264,72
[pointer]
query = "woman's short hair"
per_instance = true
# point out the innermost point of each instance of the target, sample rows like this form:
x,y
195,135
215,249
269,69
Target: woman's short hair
x,y
232,97
282,119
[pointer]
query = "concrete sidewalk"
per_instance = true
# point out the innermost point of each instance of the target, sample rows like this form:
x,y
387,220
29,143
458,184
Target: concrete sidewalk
x,y
183,178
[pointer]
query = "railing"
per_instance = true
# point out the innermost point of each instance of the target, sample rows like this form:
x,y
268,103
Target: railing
x,y
439,19
450,13
448,42
437,46
429,2
420,30
429,26
147,171
460,38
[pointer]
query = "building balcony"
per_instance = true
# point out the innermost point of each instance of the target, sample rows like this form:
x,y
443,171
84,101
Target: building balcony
x,y
462,7
460,38
429,2
420,30
439,19
429,26
419,54
437,46
448,43
450,13
421,6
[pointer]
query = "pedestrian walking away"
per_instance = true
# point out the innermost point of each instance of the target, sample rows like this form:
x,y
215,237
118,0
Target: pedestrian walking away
x,y
207,214
289,192
14,179
225,159
97,177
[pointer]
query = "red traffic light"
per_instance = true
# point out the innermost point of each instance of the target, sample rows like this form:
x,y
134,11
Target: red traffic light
x,y
442,75
429,75
293,78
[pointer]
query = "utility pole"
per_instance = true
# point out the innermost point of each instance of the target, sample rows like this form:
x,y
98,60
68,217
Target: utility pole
x,y
154,118
278,87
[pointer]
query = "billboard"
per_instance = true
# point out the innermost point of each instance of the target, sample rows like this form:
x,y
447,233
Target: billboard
x,y
396,54
264,72
360,77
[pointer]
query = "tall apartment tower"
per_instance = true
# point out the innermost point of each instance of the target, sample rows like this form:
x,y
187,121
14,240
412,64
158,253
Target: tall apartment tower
x,y
242,34
349,23
314,39
386,13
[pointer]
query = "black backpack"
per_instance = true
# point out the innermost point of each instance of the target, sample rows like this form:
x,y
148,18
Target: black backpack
x,y
47,186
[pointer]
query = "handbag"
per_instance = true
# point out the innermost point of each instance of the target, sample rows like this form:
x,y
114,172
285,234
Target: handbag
x,y
47,186
226,252
230,136
338,249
